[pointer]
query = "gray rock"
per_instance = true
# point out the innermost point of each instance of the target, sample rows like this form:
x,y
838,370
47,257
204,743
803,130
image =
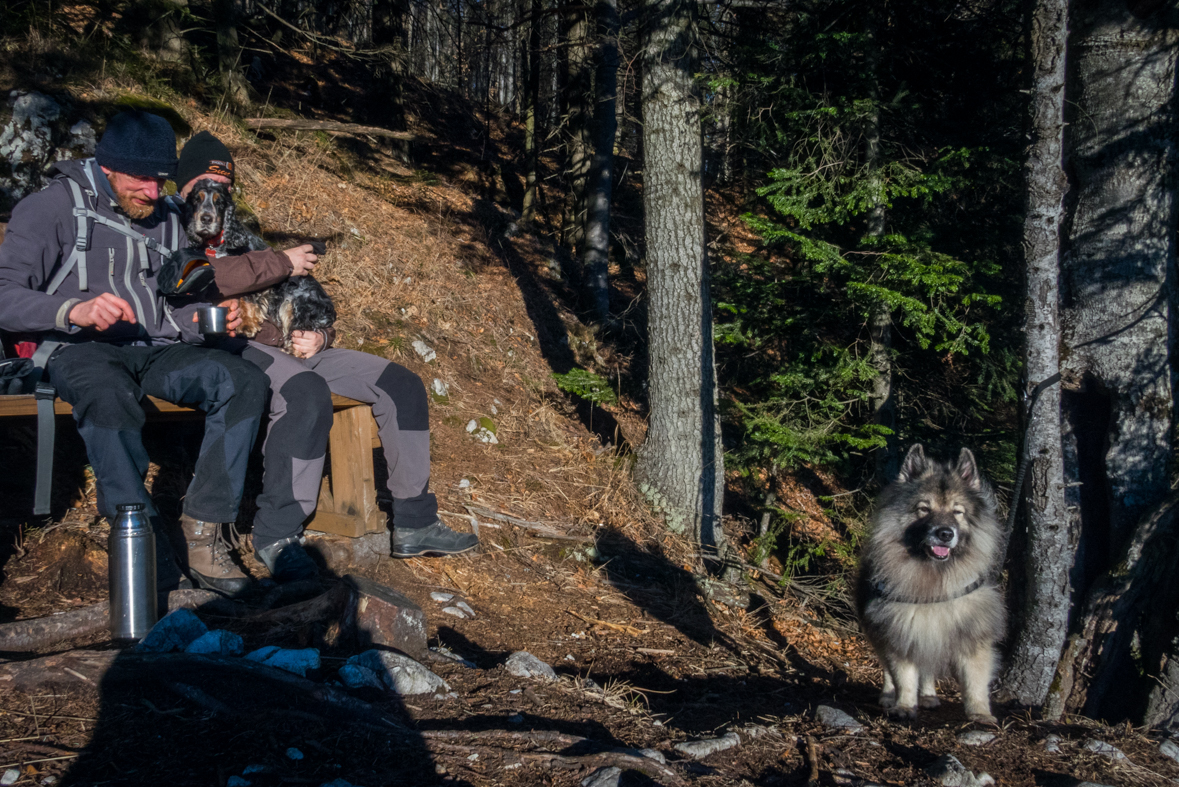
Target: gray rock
x,y
441,598
1091,784
424,351
698,750
1169,749
1104,749
465,607
10,776
976,738
394,671
1052,744
947,771
654,754
443,653
441,388
603,777
836,719
523,664
455,611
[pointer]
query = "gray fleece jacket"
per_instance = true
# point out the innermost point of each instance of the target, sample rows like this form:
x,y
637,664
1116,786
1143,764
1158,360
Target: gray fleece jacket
x,y
38,242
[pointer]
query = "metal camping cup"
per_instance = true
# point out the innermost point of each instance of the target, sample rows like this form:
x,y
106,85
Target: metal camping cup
x,y
211,320
132,574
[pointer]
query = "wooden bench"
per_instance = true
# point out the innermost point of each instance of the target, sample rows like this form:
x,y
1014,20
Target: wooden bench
x,y
347,503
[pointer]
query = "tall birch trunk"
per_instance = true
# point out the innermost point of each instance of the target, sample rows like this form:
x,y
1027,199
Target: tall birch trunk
x,y
681,461
531,116
1041,621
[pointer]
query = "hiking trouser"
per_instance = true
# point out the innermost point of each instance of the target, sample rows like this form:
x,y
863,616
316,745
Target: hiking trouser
x,y
301,417
105,384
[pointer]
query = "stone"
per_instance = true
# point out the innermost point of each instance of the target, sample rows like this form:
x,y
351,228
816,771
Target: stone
x,y
654,754
1104,749
294,754
424,351
976,738
237,781
523,664
396,672
297,661
385,617
465,607
175,631
220,643
949,772
698,750
836,719
441,598
341,553
1169,749
443,653
1052,744
441,389
515,718
609,776
455,611
10,776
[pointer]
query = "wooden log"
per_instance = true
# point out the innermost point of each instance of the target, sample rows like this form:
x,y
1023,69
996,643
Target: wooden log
x,y
24,636
329,126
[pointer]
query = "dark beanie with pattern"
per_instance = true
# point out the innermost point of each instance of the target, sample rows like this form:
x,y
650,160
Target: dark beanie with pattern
x,y
204,154
138,143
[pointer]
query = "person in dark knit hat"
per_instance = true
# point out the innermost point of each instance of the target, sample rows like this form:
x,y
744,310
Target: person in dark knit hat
x,y
107,337
301,386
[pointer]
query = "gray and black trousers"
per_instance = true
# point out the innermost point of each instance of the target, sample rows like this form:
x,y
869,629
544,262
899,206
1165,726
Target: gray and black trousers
x,y
301,417
105,384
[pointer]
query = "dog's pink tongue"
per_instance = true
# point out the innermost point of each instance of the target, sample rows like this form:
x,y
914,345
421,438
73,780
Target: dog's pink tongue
x,y
941,551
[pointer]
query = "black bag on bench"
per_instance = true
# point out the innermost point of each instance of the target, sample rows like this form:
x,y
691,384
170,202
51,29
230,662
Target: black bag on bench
x,y
27,376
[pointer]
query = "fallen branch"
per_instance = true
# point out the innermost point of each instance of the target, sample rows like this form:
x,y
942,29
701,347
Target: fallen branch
x,y
634,632
24,636
650,768
541,528
328,126
812,755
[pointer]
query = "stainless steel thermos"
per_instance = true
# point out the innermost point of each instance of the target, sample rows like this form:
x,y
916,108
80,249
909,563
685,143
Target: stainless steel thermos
x,y
132,574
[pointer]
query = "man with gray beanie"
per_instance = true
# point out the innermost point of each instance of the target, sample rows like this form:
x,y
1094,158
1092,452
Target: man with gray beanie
x,y
78,270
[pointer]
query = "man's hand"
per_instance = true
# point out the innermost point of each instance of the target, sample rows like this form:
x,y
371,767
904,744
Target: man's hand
x,y
101,312
306,343
302,259
233,318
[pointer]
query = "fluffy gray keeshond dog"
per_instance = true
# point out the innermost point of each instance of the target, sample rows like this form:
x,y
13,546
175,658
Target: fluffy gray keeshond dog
x,y
926,594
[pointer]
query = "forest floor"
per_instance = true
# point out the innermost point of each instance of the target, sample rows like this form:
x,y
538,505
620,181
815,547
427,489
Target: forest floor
x,y
649,651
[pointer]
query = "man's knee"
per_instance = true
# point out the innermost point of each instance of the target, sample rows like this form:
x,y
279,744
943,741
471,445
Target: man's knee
x,y
309,401
409,395
250,384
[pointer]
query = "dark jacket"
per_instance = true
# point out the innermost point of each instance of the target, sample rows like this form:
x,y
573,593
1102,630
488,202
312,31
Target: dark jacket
x,y
39,240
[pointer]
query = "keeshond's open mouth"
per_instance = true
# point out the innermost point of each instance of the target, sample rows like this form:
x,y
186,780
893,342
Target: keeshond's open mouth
x,y
938,551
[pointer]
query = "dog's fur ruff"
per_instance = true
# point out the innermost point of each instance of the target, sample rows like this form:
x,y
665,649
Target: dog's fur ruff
x,y
297,304
926,594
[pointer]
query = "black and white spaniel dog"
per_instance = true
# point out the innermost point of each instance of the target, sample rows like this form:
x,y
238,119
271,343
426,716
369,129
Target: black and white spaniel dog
x,y
297,304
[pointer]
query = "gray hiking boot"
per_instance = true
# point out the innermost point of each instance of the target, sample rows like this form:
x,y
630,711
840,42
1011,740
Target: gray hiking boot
x,y
287,561
435,539
209,563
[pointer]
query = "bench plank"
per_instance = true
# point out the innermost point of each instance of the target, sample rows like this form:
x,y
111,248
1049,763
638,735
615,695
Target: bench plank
x,y
26,405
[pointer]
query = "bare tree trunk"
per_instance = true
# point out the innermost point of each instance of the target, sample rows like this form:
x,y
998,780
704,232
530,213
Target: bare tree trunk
x,y
578,142
229,54
1117,311
880,321
1041,621
531,116
599,185
681,462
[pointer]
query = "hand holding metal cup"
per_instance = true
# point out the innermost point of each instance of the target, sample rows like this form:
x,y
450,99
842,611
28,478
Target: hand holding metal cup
x,y
211,320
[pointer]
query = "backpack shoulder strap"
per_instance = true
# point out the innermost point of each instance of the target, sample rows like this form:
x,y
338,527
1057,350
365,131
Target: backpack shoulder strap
x,y
84,217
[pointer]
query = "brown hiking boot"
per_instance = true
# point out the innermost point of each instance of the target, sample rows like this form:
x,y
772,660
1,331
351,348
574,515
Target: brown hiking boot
x,y
209,562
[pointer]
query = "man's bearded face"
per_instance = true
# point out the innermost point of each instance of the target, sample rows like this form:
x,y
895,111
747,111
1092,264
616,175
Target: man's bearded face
x,y
136,195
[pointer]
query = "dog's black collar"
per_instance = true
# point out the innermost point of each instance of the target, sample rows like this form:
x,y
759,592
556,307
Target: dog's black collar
x,y
881,590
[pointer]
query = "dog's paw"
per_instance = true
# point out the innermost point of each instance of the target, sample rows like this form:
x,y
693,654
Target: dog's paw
x,y
929,701
888,699
897,712
983,717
